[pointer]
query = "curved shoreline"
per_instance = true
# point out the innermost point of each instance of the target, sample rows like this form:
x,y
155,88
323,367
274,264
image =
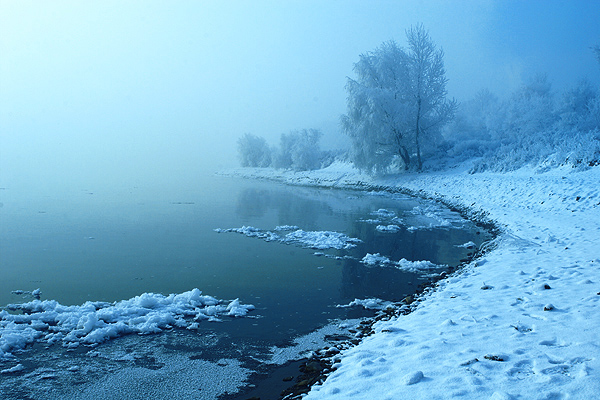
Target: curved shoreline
x,y
520,322
308,372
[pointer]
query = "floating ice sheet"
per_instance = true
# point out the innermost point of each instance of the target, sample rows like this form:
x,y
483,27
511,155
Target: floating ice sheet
x,y
95,322
404,264
369,304
320,240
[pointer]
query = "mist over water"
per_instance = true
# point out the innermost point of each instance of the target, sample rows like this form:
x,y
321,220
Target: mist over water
x,y
140,93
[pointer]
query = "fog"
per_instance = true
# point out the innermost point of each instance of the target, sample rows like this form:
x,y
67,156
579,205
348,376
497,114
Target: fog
x,y
143,92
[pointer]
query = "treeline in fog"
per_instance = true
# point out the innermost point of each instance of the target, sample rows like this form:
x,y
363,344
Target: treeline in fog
x,y
534,126
298,150
399,118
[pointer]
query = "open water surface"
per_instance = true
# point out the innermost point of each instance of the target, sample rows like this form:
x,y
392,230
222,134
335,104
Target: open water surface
x,y
109,245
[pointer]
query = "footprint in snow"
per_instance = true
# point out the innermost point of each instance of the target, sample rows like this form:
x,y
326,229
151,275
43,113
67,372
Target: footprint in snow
x,y
522,328
521,370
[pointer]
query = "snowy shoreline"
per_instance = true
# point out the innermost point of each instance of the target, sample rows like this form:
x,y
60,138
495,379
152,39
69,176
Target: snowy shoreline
x,y
519,323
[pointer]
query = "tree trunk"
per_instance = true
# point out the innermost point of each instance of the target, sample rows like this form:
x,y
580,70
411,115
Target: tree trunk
x,y
405,157
419,162
417,131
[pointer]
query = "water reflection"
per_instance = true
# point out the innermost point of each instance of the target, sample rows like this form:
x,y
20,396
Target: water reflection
x,y
253,203
168,245
436,235
306,212
361,282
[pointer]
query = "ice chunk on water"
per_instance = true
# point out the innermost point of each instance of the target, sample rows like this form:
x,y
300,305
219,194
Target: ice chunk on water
x,y
96,322
236,309
388,228
37,293
375,259
320,240
383,213
286,228
251,231
404,264
369,304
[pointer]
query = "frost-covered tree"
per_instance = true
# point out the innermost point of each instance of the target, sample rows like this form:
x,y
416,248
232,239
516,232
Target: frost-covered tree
x,y
578,108
253,151
299,150
430,108
472,133
377,133
533,128
596,50
530,111
397,104
523,129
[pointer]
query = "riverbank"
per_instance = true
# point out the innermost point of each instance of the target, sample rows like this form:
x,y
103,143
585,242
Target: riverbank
x,y
521,322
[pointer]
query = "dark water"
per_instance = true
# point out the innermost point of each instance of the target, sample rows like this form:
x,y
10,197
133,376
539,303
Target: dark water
x,y
109,245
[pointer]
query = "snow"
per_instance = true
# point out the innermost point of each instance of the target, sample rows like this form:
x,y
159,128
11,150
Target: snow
x,y
388,228
322,239
404,264
319,240
304,346
36,294
95,322
179,378
369,304
12,370
520,323
468,245
375,259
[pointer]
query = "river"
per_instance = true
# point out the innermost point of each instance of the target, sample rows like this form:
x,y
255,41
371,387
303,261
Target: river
x,y
95,244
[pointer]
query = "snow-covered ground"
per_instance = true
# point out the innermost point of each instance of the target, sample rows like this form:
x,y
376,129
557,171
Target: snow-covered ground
x,y
520,323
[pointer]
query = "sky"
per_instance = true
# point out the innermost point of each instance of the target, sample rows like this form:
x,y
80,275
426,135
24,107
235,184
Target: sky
x,y
129,92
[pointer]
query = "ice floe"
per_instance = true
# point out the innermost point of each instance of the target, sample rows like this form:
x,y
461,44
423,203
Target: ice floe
x,y
369,304
426,216
383,213
37,293
392,228
305,345
319,240
404,264
95,322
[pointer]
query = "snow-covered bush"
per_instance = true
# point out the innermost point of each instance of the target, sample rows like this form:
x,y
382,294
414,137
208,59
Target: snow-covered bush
x,y
472,133
299,150
580,108
253,151
531,127
530,112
